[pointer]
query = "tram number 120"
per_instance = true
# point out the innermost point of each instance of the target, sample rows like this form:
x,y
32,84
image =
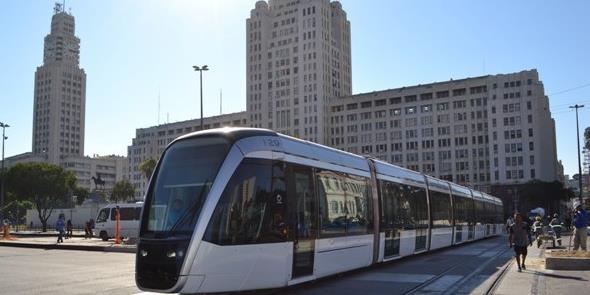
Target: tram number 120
x,y
272,142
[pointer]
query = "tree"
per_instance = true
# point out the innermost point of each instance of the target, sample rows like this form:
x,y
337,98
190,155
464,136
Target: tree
x,y
147,167
122,191
544,194
45,185
16,210
81,195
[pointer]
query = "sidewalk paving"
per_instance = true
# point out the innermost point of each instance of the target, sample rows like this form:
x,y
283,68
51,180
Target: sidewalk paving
x,y
74,243
538,280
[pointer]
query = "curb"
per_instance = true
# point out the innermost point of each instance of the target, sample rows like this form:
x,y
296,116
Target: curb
x,y
69,247
567,263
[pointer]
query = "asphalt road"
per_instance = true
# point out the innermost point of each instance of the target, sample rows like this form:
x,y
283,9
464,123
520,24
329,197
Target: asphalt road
x,y
37,271
472,267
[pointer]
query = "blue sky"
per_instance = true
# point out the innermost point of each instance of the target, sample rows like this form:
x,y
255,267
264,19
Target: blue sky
x,y
133,50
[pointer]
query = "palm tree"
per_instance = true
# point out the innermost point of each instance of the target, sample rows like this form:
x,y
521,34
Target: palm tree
x,y
122,191
147,167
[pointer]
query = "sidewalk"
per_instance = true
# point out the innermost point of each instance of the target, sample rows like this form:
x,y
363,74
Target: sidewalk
x,y
74,243
538,280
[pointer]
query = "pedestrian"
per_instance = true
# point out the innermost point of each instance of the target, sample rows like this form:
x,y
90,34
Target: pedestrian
x,y
568,222
60,225
69,229
520,239
556,227
509,223
580,230
87,230
31,226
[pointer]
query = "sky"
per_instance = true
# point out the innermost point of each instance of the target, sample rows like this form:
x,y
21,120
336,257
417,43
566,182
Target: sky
x,y
136,53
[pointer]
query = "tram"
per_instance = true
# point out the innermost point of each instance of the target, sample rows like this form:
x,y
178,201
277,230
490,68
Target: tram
x,y
236,209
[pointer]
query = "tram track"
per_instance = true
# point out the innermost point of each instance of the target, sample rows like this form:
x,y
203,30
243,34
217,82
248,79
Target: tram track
x,y
454,287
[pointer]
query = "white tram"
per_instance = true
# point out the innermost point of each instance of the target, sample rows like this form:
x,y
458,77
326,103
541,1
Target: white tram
x,y
236,209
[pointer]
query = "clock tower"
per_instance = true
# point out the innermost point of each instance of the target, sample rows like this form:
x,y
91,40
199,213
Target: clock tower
x,y
60,93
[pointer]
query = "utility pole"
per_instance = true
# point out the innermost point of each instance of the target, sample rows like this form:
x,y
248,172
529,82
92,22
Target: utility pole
x,y
579,160
200,70
4,126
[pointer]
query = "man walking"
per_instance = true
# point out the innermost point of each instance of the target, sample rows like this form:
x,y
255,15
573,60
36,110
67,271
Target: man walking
x,y
520,238
580,231
60,225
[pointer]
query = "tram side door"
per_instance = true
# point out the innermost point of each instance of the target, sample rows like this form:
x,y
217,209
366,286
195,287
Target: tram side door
x,y
302,214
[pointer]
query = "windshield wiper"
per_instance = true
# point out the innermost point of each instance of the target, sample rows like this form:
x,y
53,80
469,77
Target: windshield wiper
x,y
183,218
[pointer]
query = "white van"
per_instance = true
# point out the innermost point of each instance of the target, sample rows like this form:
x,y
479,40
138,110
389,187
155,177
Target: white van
x,y
130,214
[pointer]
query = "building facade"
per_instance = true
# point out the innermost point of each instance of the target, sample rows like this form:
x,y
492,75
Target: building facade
x,y
109,169
60,93
298,59
494,129
149,143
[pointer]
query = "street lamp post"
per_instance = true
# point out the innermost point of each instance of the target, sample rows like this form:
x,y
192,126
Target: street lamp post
x,y
200,70
579,160
4,126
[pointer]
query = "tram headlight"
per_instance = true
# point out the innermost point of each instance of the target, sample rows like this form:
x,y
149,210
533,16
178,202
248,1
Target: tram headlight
x,y
143,253
171,254
180,253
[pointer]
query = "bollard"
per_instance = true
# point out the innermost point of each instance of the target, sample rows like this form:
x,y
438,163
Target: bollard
x,y
117,227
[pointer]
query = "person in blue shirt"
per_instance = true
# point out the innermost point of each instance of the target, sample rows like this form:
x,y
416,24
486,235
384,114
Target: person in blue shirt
x,y
60,226
580,230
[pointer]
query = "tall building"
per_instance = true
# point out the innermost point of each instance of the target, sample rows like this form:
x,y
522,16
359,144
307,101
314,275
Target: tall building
x,y
60,93
59,111
149,143
298,59
481,131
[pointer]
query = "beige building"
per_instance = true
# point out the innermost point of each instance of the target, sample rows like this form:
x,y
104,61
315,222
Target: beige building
x,y
60,93
298,58
149,143
494,129
109,169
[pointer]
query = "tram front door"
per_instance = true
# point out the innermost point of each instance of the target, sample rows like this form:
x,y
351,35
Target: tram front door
x,y
302,214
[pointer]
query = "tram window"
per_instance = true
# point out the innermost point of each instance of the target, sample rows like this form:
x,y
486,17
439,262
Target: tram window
x,y
461,210
440,204
404,206
181,184
247,211
332,203
358,204
479,212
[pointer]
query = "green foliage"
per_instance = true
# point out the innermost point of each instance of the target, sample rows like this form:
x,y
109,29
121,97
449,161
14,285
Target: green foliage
x,y
122,191
16,210
147,167
544,194
81,194
46,186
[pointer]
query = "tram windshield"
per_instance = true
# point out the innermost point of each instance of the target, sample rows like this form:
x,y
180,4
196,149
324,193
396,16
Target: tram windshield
x,y
182,182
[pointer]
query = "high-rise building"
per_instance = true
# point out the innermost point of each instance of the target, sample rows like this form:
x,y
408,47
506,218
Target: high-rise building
x,y
60,93
59,111
480,131
298,59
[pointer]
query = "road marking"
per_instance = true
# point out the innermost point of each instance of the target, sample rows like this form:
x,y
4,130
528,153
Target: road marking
x,y
442,283
394,277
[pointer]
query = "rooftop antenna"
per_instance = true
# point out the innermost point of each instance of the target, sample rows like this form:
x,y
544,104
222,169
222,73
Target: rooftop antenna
x,y
167,118
220,101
